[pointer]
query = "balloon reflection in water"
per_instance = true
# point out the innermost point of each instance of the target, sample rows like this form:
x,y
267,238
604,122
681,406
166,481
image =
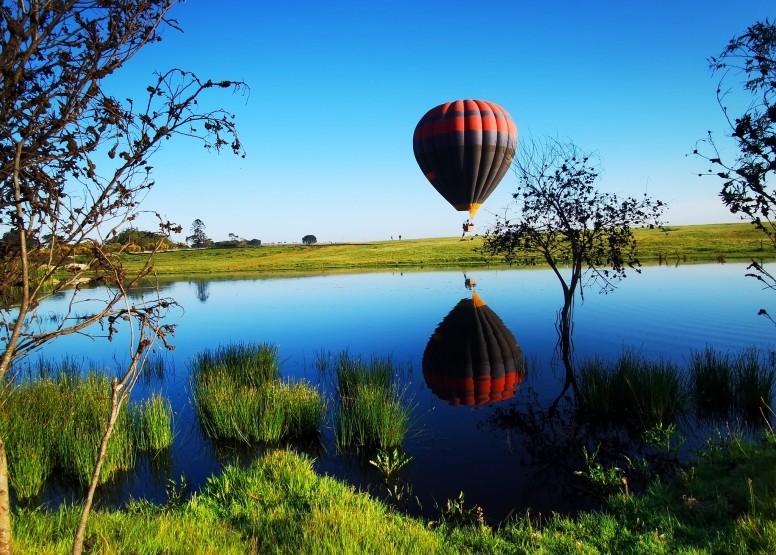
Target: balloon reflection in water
x,y
472,358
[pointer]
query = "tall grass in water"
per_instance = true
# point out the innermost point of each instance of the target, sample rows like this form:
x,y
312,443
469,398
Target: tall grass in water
x,y
741,383
152,419
711,377
82,425
641,391
250,365
753,383
370,411
239,396
55,425
373,417
355,373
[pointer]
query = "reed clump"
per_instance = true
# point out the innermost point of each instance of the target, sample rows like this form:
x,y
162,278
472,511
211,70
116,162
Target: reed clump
x,y
54,425
247,364
754,375
152,419
720,386
239,396
642,392
739,385
711,378
371,410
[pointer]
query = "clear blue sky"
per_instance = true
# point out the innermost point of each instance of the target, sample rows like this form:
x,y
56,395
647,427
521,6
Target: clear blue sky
x,y
338,87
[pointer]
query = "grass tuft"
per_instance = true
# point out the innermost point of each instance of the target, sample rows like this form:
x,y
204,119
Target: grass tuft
x,y
239,396
711,376
153,429
371,411
643,392
248,365
54,424
754,379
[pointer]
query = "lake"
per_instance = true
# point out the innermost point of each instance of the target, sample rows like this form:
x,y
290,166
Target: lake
x,y
664,312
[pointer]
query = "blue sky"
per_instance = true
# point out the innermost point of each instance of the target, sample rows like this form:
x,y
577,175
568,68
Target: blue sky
x,y
338,87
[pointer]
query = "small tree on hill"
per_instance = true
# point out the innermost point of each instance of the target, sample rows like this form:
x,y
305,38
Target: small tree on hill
x,y
146,240
198,238
309,239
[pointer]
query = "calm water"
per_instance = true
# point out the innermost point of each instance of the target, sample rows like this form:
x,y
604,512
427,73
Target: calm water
x,y
665,311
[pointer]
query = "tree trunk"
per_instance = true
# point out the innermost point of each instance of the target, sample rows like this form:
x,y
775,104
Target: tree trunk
x,y
5,504
565,340
78,542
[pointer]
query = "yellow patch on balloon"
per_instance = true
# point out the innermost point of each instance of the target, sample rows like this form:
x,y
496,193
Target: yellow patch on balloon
x,y
471,207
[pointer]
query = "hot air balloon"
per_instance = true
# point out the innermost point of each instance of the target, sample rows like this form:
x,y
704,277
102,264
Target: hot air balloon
x,y
472,358
464,148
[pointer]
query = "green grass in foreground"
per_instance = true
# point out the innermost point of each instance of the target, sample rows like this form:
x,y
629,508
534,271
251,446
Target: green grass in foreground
x,y
699,243
724,502
277,505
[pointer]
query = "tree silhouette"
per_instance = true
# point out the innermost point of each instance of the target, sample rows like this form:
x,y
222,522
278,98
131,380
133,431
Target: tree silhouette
x,y
583,234
198,238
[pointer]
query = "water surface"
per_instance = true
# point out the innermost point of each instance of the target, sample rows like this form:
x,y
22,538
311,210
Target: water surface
x,y
663,312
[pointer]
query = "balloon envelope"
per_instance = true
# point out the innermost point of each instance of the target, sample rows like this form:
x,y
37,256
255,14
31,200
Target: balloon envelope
x,y
464,148
472,358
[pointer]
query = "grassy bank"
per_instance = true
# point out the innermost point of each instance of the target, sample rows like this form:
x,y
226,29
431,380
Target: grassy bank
x,y
277,505
724,501
702,243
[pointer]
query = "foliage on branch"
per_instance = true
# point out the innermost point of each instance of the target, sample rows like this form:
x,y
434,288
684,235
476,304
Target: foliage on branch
x,y
566,220
745,188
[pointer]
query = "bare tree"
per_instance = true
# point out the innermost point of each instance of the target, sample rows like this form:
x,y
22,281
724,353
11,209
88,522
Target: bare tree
x,y
74,167
583,234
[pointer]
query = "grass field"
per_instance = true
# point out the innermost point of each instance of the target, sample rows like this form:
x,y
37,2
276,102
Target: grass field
x,y
702,243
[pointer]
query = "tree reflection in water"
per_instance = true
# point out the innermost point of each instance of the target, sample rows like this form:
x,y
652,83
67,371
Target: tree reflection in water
x,y
203,290
563,442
